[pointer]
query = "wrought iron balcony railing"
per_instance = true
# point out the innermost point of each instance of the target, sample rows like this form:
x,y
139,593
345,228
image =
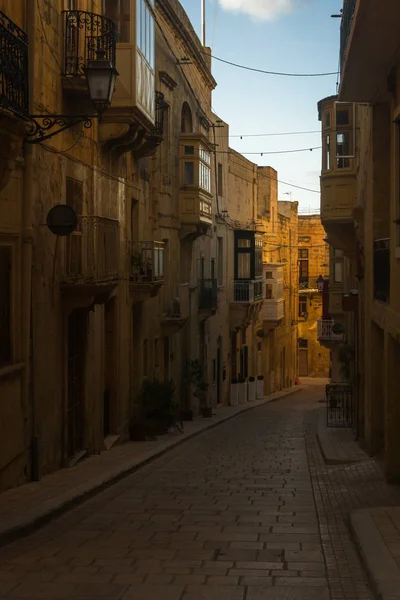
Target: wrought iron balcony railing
x,y
146,262
345,27
86,33
382,270
248,291
14,78
208,299
92,251
325,333
308,283
161,105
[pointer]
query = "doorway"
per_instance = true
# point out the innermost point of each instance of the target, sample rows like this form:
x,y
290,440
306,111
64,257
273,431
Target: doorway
x,y
110,357
77,326
303,358
219,369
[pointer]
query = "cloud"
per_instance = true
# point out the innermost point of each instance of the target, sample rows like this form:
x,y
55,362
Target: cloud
x,y
267,10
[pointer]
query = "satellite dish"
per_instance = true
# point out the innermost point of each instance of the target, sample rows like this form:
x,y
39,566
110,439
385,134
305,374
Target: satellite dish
x,y
62,220
337,328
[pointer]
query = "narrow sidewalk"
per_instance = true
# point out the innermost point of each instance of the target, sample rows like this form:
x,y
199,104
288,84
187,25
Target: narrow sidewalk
x,y
32,504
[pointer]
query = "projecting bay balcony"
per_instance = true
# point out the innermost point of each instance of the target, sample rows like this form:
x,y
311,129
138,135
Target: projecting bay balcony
x,y
90,262
273,311
176,309
246,303
326,333
146,269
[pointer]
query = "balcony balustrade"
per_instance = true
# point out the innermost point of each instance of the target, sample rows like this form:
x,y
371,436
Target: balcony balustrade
x,y
308,284
85,34
246,292
382,270
176,311
14,78
146,269
325,333
92,252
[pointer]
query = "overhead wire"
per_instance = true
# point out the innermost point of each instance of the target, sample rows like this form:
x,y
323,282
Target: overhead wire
x,y
281,74
273,151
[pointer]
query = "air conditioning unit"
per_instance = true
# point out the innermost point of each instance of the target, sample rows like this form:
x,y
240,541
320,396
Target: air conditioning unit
x,y
176,308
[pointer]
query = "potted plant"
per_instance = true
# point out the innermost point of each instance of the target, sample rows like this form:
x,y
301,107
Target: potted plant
x,y
252,389
234,397
156,409
242,390
260,387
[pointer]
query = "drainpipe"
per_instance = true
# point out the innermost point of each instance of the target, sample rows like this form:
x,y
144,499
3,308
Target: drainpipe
x,y
32,441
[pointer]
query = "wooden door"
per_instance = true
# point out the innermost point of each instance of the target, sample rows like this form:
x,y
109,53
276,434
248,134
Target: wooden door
x,y
303,362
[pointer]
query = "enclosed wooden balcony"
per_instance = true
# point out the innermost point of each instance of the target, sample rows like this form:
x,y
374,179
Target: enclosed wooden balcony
x,y
196,185
273,310
338,175
326,332
369,44
90,267
146,269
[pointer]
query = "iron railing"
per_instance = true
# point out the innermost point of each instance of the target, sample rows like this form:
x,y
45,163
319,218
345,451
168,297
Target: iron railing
x,y
92,251
86,33
14,74
382,270
208,298
345,27
146,262
161,105
325,333
308,283
248,291
339,410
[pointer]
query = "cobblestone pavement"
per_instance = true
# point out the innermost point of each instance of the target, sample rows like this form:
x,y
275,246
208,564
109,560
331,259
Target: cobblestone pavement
x,y
246,511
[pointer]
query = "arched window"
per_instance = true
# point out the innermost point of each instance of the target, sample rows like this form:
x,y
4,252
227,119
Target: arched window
x,y
187,121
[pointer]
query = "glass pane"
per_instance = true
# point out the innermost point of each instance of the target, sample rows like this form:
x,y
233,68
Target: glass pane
x,y
327,163
244,264
269,291
258,263
342,116
338,272
188,176
189,149
244,243
268,275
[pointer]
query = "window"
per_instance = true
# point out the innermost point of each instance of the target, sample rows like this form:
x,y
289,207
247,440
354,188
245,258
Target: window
x,y
244,266
188,173
327,153
189,150
258,267
344,135
186,119
302,306
303,343
269,291
144,29
245,255
342,116
204,169
74,195
71,4
220,258
213,268
120,12
269,275
343,149
303,253
220,181
338,272
145,358
327,119
5,305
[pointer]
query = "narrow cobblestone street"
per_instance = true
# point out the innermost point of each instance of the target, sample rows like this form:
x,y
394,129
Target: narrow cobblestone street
x,y
246,511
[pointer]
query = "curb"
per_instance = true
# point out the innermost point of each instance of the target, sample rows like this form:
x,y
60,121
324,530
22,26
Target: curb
x,y
54,508
381,569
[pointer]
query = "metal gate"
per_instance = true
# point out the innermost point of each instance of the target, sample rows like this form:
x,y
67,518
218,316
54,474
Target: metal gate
x,y
340,409
77,323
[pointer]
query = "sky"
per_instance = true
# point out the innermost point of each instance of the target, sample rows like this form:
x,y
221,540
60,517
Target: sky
x,y
291,36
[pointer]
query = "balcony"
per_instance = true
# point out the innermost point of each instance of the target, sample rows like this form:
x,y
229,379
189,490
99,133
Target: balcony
x,y
14,80
196,185
85,33
176,310
308,284
382,270
146,269
273,311
91,257
246,302
325,333
369,43
208,297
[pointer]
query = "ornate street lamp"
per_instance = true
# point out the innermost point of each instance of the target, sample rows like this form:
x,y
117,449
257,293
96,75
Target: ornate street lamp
x,y
101,78
320,283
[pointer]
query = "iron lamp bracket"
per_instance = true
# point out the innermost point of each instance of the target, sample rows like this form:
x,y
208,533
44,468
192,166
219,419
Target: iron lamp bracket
x,y
43,127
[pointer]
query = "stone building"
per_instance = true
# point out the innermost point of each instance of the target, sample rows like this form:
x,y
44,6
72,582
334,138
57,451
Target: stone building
x,y
180,249
313,258
360,212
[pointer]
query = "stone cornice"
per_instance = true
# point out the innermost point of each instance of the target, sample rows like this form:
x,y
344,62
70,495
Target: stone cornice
x,y
167,79
175,14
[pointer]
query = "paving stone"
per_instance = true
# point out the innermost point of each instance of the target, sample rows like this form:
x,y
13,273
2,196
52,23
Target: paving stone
x,y
287,593
153,592
213,592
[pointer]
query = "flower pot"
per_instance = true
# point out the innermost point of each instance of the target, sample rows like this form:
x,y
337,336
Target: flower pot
x,y
260,388
187,414
252,390
242,392
207,412
233,396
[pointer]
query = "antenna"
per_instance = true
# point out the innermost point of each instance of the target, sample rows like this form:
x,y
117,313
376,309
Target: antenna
x,y
203,22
